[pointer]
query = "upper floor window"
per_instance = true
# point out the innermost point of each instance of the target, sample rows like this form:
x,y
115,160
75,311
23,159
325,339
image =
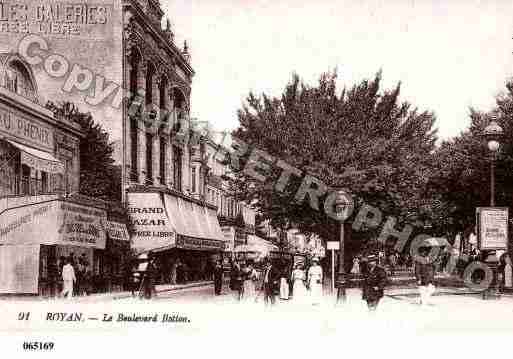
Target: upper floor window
x,y
149,83
18,80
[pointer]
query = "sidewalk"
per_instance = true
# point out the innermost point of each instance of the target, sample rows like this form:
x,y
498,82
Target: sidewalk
x,y
159,289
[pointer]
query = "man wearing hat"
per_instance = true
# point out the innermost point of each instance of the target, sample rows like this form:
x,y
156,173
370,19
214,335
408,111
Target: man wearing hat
x,y
270,282
375,279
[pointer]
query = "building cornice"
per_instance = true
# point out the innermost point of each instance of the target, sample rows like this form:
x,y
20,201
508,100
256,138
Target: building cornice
x,y
30,108
146,22
157,189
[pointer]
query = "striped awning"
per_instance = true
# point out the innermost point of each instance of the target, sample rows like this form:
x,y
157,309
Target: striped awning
x,y
40,160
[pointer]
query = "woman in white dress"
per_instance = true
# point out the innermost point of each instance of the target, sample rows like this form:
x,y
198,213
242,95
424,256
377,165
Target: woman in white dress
x,y
315,282
356,266
249,275
299,292
284,284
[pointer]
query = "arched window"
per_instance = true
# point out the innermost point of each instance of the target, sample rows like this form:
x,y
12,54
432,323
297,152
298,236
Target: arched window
x,y
135,63
162,93
18,80
150,72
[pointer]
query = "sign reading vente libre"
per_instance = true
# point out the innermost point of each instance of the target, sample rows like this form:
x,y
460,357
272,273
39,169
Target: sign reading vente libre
x,y
22,128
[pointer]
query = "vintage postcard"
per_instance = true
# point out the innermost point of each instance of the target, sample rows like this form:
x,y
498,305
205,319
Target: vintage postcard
x,y
294,176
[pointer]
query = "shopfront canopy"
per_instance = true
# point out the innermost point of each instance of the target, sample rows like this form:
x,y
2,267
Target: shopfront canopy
x,y
54,222
40,160
163,221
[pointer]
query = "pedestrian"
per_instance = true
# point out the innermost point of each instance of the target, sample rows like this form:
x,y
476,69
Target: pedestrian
x,y
284,282
505,270
425,275
53,277
392,262
270,282
356,266
218,278
299,288
148,280
174,266
315,277
135,282
248,286
374,283
68,279
236,280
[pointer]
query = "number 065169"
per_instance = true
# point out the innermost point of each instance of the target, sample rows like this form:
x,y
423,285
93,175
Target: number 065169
x,y
38,345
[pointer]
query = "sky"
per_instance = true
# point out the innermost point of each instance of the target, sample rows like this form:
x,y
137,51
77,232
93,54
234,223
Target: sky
x,y
448,55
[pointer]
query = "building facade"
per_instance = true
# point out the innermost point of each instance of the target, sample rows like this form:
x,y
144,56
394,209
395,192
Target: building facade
x,y
164,161
42,218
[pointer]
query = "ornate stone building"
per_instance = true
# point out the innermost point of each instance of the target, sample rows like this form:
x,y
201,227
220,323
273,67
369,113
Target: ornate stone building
x,y
161,74
164,161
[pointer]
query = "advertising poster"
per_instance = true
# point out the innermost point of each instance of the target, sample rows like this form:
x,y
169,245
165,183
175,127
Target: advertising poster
x,y
493,228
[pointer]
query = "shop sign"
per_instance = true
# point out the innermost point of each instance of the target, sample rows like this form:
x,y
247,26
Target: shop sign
x,y
117,231
199,244
82,225
229,236
492,224
148,217
24,129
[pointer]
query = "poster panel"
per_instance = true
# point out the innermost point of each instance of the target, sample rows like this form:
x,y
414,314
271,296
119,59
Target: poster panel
x,y
492,227
82,225
19,269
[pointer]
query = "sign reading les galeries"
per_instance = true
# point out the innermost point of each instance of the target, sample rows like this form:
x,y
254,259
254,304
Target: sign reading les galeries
x,y
51,17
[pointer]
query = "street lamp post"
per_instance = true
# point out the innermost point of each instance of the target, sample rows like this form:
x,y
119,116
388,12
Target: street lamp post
x,y
343,202
492,134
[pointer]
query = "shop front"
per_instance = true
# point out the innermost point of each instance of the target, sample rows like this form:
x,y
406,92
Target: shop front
x,y
256,248
36,239
182,233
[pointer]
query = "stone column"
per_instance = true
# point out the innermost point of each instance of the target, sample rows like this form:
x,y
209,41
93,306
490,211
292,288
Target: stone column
x,y
141,151
169,164
156,159
128,140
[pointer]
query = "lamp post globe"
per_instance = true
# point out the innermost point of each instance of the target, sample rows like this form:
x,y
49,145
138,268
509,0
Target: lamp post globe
x,y
493,134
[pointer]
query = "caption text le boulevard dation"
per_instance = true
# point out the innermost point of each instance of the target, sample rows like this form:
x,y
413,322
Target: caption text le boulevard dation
x,y
110,317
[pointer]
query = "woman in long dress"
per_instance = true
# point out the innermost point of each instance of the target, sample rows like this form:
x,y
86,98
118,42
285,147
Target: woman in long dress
x,y
249,277
284,284
315,282
356,266
299,290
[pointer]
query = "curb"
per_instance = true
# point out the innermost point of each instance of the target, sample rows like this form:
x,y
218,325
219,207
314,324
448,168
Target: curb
x,y
125,295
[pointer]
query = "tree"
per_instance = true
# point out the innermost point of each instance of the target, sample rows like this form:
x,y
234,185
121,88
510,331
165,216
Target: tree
x,y
364,139
99,177
462,166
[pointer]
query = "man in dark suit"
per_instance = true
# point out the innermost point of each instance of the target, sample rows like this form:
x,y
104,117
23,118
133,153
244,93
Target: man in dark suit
x,y
218,278
374,283
271,282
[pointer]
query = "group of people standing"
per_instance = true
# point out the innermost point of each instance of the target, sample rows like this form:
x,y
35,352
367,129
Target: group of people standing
x,y
274,280
76,275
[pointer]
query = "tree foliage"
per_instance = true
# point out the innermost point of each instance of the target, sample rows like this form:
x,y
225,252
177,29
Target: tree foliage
x,y
462,167
99,176
363,139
